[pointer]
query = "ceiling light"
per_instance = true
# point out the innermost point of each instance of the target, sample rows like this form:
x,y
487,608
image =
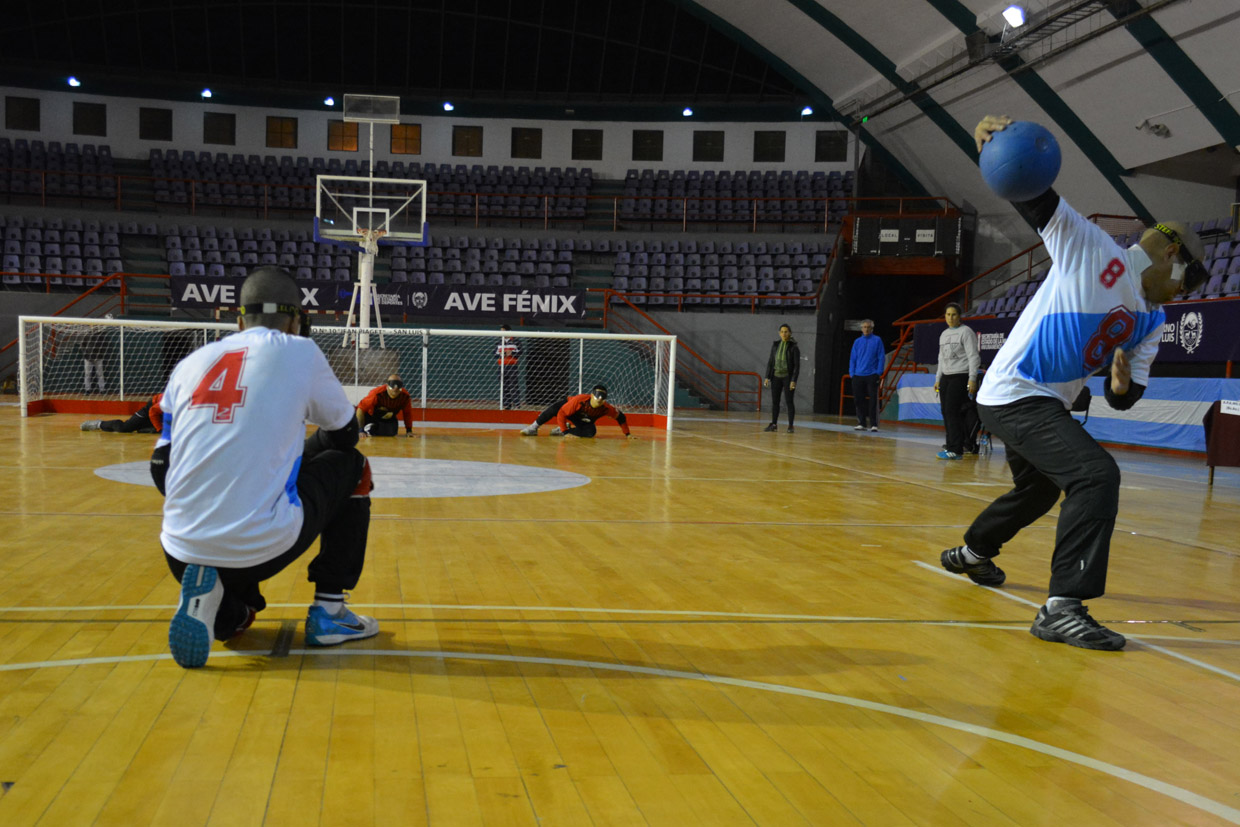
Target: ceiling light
x,y
329,101
447,106
809,110
688,113
206,93
74,82
1015,16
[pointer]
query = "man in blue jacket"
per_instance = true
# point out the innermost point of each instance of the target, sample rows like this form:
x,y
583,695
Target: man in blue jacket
x,y
865,365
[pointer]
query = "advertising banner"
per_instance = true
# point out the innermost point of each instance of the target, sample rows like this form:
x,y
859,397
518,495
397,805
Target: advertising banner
x,y
449,301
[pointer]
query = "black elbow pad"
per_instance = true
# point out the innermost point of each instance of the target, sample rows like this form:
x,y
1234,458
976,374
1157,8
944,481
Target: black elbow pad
x,y
159,465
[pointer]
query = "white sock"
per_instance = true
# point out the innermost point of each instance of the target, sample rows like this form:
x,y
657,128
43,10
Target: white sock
x,y
332,603
970,556
1058,604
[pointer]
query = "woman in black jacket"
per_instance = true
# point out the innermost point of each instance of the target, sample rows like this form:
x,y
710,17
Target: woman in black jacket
x,y
782,369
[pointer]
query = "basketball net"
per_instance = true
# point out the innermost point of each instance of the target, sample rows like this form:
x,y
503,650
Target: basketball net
x,y
370,240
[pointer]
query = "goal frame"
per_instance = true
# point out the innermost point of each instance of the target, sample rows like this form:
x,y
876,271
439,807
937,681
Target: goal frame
x,y
34,398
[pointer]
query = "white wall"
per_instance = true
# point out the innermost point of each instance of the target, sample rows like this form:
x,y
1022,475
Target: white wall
x,y
122,119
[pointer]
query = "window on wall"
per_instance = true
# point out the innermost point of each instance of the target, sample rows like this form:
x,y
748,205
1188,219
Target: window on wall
x,y
768,147
526,142
708,145
90,118
831,145
281,132
21,113
467,141
406,139
587,144
342,136
154,124
219,128
647,144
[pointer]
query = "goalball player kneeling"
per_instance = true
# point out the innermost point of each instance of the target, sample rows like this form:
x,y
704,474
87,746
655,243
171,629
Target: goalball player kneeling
x,y
246,492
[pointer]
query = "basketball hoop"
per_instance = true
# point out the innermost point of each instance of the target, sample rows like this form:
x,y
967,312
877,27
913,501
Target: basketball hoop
x,y
370,239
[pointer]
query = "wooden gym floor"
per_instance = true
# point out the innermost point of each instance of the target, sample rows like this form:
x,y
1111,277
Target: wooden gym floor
x,y
724,626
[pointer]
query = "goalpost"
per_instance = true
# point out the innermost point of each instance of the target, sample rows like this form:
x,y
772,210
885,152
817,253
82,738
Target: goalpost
x,y
454,375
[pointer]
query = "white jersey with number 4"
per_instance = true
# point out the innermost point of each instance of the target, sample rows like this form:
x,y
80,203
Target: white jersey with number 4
x,y
1091,303
235,413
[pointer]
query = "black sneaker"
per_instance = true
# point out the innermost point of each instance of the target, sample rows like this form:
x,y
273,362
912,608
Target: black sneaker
x,y
1073,626
771,427
985,573
791,429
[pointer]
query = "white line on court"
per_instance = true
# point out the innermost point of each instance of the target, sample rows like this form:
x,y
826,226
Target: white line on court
x,y
1192,799
1141,639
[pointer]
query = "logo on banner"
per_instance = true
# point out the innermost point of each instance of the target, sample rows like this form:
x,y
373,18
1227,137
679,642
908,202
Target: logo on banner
x,y
1191,325
419,300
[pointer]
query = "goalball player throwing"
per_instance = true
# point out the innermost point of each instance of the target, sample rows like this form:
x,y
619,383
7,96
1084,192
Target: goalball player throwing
x,y
1099,310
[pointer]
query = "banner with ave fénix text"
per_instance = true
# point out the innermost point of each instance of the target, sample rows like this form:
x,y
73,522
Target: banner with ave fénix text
x,y
397,299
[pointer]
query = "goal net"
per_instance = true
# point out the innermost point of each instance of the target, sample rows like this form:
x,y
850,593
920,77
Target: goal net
x,y
445,371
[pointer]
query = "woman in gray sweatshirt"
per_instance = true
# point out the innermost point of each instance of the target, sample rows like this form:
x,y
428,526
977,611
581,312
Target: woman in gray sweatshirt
x,y
956,383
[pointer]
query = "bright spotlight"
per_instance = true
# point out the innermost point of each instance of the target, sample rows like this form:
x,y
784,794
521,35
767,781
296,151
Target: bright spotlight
x,y
809,110
329,101
206,93
688,113
447,106
1015,16
74,82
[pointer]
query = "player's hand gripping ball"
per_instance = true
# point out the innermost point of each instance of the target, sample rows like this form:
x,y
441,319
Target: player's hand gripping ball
x,y
1020,162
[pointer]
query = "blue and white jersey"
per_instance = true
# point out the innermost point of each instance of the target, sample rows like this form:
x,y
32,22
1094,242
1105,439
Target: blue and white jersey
x,y
1091,303
235,413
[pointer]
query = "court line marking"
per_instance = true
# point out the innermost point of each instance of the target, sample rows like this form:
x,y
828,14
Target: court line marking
x,y
1141,639
1180,794
687,615
950,488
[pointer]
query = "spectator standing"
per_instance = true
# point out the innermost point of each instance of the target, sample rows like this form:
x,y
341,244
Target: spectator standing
x,y
865,365
507,353
955,382
783,367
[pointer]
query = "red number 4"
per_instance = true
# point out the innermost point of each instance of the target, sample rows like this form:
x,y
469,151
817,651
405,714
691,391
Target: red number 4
x,y
221,387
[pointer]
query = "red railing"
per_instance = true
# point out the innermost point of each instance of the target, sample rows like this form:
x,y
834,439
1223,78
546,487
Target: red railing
x,y
691,366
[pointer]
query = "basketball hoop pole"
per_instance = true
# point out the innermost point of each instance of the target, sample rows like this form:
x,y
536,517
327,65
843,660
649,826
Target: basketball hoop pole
x,y
366,259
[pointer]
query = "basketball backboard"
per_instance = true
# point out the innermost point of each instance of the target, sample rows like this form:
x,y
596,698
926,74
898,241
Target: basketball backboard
x,y
350,209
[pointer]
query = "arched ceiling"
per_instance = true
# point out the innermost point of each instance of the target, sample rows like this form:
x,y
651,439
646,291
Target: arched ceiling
x,y
1094,71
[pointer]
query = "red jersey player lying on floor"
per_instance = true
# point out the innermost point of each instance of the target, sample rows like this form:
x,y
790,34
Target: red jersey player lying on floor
x,y
576,415
148,419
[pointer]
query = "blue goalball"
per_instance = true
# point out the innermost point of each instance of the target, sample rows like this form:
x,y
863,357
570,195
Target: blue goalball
x,y
1021,161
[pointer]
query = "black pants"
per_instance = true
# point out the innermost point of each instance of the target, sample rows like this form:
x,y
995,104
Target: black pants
x,y
865,399
139,422
325,484
582,426
1048,452
780,387
510,386
959,412
380,427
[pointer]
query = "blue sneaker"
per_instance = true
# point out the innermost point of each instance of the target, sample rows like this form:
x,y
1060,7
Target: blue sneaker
x,y
948,455
324,630
193,626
